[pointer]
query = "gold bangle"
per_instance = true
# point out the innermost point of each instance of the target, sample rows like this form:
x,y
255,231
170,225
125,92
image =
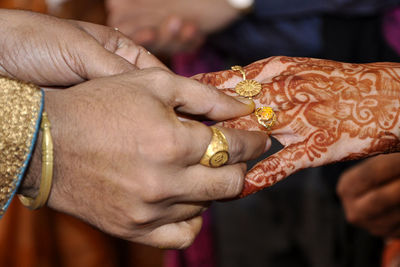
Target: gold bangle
x,y
47,169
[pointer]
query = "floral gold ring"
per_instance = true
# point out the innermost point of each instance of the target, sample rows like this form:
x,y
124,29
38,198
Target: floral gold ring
x,y
217,153
266,117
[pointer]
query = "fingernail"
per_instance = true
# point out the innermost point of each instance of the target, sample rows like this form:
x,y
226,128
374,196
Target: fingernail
x,y
175,25
267,145
247,101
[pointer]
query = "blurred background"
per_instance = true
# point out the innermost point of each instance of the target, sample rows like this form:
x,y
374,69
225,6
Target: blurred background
x,y
298,222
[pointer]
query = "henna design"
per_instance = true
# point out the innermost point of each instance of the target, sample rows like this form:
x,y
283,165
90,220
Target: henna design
x,y
327,111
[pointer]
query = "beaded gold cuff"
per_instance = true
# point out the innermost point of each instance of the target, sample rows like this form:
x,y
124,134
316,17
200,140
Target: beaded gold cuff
x,y
21,107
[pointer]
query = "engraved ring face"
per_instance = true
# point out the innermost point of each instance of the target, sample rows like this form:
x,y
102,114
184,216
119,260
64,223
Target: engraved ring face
x,y
217,153
219,159
248,88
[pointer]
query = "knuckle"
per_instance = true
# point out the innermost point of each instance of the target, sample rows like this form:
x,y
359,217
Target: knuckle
x,y
187,239
141,218
162,76
154,190
378,199
377,231
172,148
353,217
210,92
141,49
342,188
236,184
231,187
163,146
126,233
236,148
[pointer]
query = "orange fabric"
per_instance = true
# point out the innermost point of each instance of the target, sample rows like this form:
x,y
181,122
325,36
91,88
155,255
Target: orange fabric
x,y
34,5
47,238
391,254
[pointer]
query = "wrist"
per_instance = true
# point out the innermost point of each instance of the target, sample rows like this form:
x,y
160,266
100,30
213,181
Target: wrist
x,y
31,183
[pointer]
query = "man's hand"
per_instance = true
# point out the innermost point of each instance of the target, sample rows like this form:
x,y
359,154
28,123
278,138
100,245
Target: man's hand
x,y
169,26
54,52
370,195
125,163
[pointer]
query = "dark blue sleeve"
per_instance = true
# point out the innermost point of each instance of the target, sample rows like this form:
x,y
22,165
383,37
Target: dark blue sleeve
x,y
278,8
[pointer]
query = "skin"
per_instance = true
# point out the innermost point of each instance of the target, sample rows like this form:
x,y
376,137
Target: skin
x,y
124,161
369,193
70,51
167,27
126,164
326,112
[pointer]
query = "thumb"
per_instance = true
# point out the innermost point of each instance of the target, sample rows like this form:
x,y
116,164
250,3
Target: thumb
x,y
100,62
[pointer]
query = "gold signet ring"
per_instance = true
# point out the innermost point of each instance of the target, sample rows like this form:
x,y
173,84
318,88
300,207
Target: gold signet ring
x,y
217,153
266,116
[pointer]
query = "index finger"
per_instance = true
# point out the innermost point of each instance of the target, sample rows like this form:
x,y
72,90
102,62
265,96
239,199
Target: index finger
x,y
242,145
192,97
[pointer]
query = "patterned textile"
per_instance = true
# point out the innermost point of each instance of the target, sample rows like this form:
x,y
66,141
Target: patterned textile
x,y
391,30
20,112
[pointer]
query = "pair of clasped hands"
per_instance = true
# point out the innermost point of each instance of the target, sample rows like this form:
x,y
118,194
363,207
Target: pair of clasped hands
x,y
128,164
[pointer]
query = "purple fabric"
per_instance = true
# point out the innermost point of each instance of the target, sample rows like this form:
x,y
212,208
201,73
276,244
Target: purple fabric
x,y
201,252
391,29
189,64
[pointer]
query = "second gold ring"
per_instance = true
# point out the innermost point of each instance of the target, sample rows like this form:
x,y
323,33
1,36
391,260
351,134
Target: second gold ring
x,y
217,153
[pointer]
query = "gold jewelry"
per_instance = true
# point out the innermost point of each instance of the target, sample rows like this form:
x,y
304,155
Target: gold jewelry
x,y
217,153
265,116
246,88
47,169
20,109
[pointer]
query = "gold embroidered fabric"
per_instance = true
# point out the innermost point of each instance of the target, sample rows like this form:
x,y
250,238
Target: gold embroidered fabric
x,y
20,107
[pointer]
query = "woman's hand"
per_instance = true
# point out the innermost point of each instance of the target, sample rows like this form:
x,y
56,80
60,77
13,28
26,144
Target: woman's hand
x,y
326,112
125,163
55,52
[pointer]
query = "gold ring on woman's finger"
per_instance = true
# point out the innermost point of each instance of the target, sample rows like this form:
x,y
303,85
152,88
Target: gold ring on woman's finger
x,y
217,153
266,117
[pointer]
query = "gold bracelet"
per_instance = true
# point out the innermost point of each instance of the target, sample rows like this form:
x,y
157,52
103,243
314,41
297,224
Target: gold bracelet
x,y
47,169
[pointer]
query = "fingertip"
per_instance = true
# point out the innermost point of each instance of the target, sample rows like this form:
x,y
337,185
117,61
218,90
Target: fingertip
x,y
145,36
248,102
189,32
174,24
267,144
